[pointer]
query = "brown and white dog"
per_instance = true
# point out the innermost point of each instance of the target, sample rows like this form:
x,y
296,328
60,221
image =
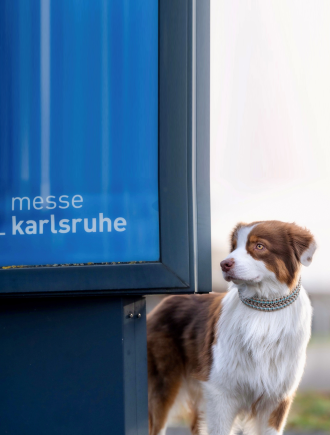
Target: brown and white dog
x,y
233,364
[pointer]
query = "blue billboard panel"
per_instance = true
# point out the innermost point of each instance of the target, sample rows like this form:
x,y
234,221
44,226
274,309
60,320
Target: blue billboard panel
x,y
78,131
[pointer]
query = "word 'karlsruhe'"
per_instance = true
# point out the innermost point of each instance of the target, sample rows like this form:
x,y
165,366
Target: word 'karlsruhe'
x,y
21,227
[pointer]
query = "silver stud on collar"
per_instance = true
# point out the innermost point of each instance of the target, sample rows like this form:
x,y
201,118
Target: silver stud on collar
x,y
271,304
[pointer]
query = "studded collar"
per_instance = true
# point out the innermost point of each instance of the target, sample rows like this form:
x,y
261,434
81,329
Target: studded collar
x,y
271,304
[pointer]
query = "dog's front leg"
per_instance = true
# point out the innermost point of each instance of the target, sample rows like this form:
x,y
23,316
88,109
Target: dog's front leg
x,y
272,422
221,411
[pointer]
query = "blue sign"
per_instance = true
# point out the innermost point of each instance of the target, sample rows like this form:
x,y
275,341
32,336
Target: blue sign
x,y
78,131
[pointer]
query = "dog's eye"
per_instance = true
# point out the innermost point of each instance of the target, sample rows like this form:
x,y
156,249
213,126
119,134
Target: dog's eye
x,y
259,246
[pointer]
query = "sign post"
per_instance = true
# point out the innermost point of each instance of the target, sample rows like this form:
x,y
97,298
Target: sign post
x,y
104,199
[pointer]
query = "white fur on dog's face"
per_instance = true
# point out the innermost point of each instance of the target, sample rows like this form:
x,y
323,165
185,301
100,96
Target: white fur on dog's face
x,y
268,250
246,268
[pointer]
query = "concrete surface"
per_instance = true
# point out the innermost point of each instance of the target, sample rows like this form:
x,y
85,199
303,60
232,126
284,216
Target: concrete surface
x,y
178,431
185,431
317,370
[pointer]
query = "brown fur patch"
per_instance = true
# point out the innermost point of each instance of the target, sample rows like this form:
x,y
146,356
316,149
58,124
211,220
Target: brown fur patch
x,y
284,244
180,335
254,406
278,416
234,234
195,422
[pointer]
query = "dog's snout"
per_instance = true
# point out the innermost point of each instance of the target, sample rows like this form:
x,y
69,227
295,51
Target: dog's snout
x,y
227,264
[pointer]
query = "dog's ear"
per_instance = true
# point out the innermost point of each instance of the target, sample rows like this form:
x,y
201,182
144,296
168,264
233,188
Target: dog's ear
x,y
303,244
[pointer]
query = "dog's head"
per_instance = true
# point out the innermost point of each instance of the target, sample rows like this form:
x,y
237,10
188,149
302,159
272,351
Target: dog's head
x,y
268,249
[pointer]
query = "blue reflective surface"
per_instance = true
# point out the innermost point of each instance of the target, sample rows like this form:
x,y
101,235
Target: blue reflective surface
x,y
79,126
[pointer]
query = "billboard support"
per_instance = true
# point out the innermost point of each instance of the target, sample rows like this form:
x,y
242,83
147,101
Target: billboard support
x,y
74,335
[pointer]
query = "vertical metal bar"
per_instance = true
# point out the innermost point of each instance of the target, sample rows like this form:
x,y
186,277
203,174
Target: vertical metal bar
x,y
203,144
194,150
141,365
135,366
129,363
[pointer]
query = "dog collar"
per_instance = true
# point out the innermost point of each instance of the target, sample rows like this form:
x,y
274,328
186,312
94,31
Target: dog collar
x,y
271,304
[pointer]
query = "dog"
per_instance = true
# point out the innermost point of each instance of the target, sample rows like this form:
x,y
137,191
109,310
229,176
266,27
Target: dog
x,y
236,358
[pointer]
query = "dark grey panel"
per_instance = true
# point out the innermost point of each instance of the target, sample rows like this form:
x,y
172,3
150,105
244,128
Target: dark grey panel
x,y
61,367
173,129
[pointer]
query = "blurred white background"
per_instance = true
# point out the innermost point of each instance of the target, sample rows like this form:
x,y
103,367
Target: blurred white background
x,y
270,137
270,122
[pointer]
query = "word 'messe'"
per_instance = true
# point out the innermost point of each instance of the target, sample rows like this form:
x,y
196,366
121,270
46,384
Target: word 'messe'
x,y
50,202
67,226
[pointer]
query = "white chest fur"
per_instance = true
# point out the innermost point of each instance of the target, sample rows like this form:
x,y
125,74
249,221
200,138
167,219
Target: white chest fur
x,y
257,353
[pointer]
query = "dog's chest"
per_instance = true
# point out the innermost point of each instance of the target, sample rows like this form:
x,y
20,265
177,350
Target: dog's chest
x,y
258,353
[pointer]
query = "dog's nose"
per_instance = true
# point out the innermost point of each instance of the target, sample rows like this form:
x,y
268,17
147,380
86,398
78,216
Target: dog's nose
x,y
227,264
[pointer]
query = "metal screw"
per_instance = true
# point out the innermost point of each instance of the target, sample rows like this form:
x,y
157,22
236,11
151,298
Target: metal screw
x,y
138,315
130,315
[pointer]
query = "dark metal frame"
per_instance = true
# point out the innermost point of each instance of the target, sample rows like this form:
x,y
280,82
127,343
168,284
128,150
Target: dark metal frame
x,y
184,186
